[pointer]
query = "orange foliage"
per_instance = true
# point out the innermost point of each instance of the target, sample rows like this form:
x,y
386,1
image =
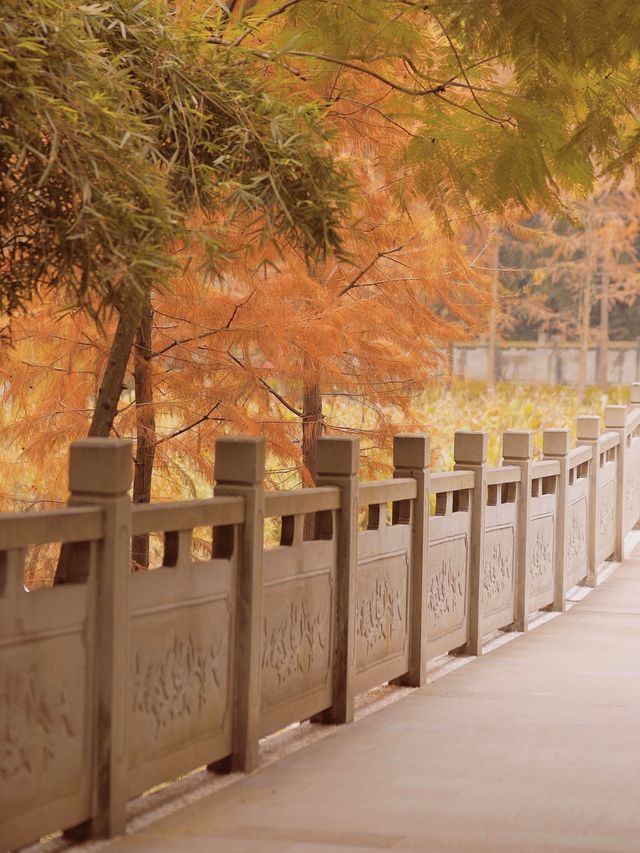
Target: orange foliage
x,y
233,353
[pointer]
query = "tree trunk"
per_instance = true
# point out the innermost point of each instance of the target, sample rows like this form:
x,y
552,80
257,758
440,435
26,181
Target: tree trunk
x,y
585,321
448,376
107,401
603,349
106,406
311,426
145,429
492,340
312,429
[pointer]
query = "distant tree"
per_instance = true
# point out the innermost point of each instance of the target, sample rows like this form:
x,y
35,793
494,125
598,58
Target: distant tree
x,y
563,276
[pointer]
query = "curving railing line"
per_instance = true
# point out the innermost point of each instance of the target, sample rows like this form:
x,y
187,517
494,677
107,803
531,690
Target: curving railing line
x,y
116,680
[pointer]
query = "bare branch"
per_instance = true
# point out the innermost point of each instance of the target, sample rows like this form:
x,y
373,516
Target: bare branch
x,y
383,253
186,428
464,73
268,388
206,334
273,14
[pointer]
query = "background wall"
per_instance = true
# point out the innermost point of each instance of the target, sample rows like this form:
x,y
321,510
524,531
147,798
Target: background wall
x,y
552,364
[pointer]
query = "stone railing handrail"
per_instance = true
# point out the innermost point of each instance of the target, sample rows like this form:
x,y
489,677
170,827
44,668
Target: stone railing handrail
x,y
545,468
579,455
297,501
118,680
185,515
503,474
385,491
29,529
451,481
633,421
608,440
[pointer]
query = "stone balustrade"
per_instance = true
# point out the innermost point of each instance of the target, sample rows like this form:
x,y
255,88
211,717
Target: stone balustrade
x,y
116,681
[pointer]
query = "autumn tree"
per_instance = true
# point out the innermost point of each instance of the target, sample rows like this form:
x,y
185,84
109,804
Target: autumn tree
x,y
500,102
579,269
451,112
506,106
119,121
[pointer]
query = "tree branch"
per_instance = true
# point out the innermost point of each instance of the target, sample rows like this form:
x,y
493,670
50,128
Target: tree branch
x,y
381,254
268,387
273,14
464,73
207,334
186,428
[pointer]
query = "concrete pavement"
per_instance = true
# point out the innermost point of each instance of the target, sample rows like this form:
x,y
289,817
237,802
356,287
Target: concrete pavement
x,y
535,746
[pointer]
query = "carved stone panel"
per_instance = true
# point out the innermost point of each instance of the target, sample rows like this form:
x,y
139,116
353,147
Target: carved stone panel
x,y
577,540
296,638
632,487
447,587
498,570
540,554
606,519
178,677
43,711
381,614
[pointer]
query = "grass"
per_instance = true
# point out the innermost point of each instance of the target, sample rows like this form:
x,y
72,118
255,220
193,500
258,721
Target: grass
x,y
468,405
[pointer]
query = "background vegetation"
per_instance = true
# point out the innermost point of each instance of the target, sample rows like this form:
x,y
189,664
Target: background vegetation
x,y
273,216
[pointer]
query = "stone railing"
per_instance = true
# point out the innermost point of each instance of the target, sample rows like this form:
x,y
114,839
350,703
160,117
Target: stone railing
x,y
116,681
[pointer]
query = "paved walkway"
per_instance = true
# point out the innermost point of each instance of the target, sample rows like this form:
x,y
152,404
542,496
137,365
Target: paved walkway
x,y
535,746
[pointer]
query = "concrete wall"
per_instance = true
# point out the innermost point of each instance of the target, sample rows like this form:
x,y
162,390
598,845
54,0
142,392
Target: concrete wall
x,y
547,363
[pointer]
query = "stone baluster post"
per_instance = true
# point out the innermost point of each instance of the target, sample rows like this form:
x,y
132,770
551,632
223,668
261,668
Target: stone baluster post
x,y
634,404
239,469
470,454
411,459
615,419
338,463
588,433
100,475
556,445
517,449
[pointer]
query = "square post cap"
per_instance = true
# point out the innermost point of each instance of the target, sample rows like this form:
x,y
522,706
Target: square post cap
x,y
240,460
588,427
615,417
470,447
556,442
338,455
635,392
411,450
517,444
100,466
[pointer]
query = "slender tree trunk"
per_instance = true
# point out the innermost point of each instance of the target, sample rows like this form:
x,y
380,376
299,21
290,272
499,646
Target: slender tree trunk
x,y
108,398
145,429
585,321
312,426
492,340
603,349
107,401
312,429
448,377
